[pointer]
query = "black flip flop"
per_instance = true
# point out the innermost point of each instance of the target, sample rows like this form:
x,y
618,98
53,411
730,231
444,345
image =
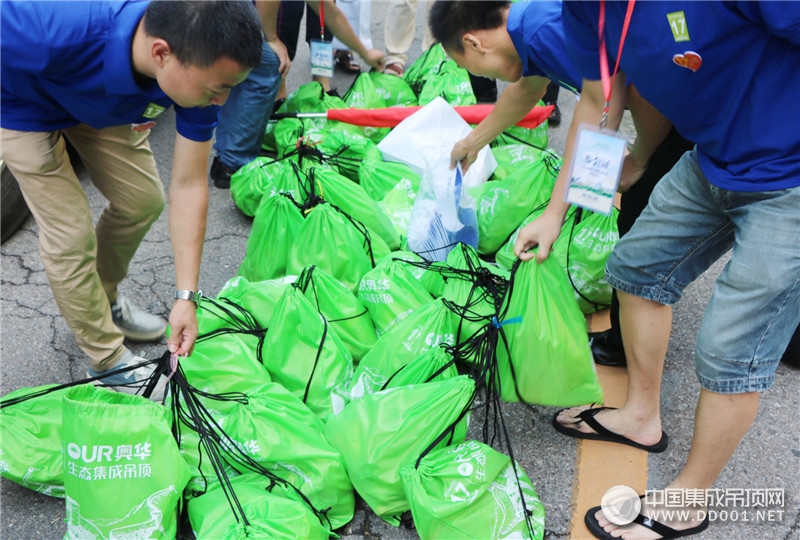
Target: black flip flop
x,y
603,434
665,531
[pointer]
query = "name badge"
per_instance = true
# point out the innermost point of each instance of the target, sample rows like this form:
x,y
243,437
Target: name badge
x,y
321,58
595,169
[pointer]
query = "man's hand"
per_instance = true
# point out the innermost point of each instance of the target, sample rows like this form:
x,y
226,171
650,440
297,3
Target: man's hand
x,y
465,153
183,325
541,232
374,58
283,55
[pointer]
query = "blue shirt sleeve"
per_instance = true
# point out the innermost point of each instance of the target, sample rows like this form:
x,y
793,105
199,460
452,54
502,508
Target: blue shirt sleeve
x,y
197,123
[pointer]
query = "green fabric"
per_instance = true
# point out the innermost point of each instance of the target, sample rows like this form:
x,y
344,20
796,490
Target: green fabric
x,y
513,158
332,242
452,83
304,354
346,151
429,326
475,294
590,242
257,297
272,514
277,223
432,281
379,178
213,315
354,201
391,292
424,368
537,137
392,428
30,440
278,431
394,90
363,95
250,182
123,472
502,205
548,348
425,67
397,205
471,491
344,312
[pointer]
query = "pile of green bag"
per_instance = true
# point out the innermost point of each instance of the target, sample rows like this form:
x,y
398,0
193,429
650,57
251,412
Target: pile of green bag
x,y
336,361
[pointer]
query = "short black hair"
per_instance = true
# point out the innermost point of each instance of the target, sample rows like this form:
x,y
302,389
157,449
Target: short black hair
x,y
451,19
200,32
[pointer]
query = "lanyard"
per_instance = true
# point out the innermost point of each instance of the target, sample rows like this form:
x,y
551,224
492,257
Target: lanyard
x,y
608,82
322,20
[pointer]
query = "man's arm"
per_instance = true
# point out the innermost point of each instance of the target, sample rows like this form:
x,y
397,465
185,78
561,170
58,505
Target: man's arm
x,y
188,206
268,12
514,103
544,231
337,22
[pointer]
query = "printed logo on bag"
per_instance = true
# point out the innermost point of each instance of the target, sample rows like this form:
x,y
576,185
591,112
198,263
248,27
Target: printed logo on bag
x,y
125,461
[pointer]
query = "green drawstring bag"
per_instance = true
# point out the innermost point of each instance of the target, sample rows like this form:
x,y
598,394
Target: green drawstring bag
x,y
397,205
346,151
378,178
278,431
514,158
381,433
425,67
474,288
394,90
335,243
548,360
344,312
311,97
277,223
452,83
435,364
582,249
123,474
425,271
249,183
354,201
258,297
270,512
429,326
472,491
306,356
537,137
502,205
30,439
362,95
391,293
225,363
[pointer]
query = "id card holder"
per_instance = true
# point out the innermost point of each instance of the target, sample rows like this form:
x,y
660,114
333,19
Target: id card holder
x,y
596,167
321,58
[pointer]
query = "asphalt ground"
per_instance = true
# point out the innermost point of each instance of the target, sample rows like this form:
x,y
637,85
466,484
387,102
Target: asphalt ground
x,y
36,347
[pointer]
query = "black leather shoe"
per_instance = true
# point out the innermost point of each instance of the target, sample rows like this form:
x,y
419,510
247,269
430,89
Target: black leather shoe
x,y
555,116
221,174
606,352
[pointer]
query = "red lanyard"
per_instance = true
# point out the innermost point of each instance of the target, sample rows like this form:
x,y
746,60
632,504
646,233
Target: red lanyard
x,y
322,20
608,82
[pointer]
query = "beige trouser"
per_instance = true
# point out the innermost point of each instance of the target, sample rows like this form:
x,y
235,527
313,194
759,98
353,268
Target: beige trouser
x,y
85,264
399,30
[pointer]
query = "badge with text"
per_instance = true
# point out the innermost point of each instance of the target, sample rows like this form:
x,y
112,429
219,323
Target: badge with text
x,y
321,58
595,169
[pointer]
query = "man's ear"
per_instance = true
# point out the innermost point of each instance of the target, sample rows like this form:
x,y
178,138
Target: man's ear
x,y
160,51
472,42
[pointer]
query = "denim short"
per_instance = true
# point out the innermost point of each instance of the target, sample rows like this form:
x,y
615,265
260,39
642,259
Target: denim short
x,y
688,224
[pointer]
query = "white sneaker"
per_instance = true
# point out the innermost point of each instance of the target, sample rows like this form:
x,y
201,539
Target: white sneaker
x,y
132,381
135,323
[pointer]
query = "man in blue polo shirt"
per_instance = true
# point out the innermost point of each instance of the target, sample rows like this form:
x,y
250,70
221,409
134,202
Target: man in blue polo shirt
x,y
717,71
100,73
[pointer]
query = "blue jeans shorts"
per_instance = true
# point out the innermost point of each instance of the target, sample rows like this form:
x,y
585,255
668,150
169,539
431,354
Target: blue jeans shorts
x,y
689,224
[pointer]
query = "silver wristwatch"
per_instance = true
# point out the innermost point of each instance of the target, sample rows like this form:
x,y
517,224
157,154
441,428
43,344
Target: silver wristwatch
x,y
183,294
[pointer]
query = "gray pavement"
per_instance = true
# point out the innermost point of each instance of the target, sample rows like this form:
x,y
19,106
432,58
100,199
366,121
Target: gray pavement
x,y
37,348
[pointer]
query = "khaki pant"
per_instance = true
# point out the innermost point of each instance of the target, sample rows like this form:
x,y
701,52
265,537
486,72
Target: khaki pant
x,y
85,263
399,30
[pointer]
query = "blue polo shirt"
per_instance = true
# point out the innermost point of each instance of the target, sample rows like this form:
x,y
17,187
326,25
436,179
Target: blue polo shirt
x,y
537,31
69,63
726,74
